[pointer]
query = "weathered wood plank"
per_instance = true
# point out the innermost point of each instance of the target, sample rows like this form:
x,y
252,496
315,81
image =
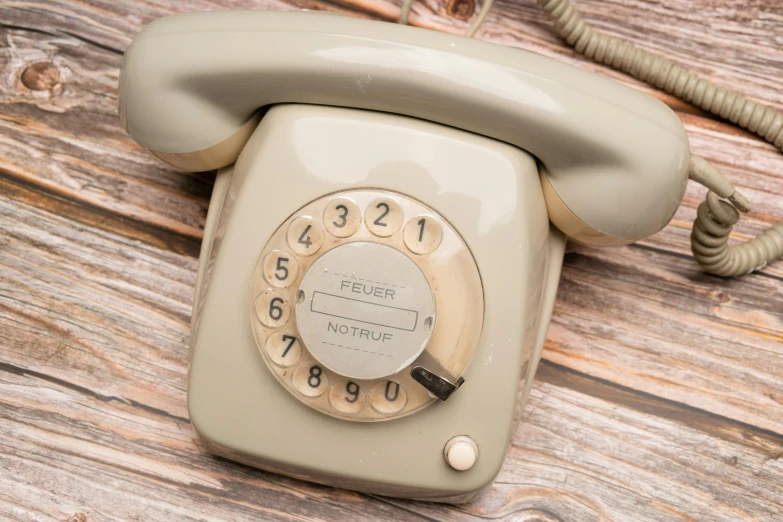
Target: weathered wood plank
x,y
120,401
741,157
68,139
82,169
662,397
42,150
586,450
635,317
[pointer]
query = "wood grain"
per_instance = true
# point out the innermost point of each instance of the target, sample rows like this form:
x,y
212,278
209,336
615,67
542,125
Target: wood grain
x,y
660,397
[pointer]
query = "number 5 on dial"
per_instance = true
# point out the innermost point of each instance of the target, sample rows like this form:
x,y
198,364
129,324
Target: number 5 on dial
x,y
280,268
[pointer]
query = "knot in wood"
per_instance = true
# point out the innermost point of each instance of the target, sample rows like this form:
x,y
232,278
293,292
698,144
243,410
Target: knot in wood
x,y
461,9
41,76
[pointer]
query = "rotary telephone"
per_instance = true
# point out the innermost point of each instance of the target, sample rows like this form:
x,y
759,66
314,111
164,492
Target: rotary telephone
x,y
387,226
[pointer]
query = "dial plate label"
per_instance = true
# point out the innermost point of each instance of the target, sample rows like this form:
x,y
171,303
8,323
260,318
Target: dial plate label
x,y
365,310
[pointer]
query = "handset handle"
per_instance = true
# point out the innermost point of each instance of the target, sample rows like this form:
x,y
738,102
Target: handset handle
x,y
615,159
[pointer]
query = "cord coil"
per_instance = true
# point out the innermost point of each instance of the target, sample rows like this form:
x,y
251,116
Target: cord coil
x,y
663,73
715,217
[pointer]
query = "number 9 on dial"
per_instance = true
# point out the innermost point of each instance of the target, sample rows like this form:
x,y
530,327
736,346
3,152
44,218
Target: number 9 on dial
x,y
346,397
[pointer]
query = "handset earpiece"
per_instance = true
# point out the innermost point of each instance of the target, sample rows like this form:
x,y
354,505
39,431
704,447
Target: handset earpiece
x,y
577,228
214,156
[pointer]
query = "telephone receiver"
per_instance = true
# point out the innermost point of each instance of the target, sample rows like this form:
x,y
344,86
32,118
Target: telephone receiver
x,y
378,267
614,162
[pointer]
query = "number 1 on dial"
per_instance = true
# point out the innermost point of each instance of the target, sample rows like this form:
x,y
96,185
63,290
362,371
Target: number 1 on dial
x,y
422,234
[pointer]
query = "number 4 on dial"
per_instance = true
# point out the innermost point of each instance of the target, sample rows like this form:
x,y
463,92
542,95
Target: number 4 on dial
x,y
305,236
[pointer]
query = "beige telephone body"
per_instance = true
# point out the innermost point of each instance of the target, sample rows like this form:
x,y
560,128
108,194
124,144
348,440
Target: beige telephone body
x,y
378,268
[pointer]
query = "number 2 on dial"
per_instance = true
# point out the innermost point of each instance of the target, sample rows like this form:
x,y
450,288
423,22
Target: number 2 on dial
x,y
383,217
379,220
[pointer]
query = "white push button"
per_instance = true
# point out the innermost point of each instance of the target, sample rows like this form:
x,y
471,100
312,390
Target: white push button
x,y
365,310
461,453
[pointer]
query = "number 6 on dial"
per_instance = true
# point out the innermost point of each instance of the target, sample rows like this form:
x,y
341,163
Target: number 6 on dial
x,y
272,309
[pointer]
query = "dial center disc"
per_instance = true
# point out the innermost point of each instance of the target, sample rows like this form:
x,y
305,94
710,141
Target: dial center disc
x,y
365,310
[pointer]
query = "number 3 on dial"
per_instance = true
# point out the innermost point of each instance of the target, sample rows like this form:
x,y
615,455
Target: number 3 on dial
x,y
342,217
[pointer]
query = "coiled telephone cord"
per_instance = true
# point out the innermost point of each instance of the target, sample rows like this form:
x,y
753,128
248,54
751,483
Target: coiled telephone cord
x,y
715,216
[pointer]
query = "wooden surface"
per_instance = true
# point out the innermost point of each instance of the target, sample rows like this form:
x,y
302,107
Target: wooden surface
x,y
660,396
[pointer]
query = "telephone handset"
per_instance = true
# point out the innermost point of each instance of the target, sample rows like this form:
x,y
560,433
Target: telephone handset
x,y
378,268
